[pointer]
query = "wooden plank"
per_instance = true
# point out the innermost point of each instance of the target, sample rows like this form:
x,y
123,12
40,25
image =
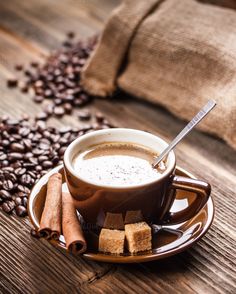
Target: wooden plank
x,y
36,267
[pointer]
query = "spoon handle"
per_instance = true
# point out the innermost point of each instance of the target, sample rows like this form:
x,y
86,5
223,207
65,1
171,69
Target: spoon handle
x,y
197,118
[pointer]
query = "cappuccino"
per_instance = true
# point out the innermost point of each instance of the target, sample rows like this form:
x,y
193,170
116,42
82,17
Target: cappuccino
x,y
116,164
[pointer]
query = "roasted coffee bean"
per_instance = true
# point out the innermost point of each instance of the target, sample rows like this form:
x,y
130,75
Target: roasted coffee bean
x,y
49,109
84,115
60,76
23,189
71,35
67,107
59,111
8,206
29,165
5,195
99,117
21,194
55,138
3,156
27,144
9,169
16,164
18,200
41,126
17,147
42,116
38,168
34,233
37,151
44,146
5,143
25,201
28,73
12,82
32,174
38,99
28,155
19,67
12,177
15,156
58,101
23,88
47,164
63,141
7,185
21,211
62,151
67,44
34,64
20,171
25,179
12,122
55,160
4,163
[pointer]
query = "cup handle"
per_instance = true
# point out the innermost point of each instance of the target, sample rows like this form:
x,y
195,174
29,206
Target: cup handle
x,y
202,190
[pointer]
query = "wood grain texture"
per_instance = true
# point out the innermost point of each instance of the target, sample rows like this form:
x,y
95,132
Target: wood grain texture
x,y
30,29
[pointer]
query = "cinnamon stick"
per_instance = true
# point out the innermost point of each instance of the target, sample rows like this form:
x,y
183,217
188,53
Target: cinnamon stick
x,y
50,223
72,231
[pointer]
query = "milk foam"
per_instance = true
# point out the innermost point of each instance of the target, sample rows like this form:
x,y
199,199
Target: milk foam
x,y
116,164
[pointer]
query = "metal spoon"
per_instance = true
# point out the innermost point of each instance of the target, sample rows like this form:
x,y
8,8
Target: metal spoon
x,y
197,118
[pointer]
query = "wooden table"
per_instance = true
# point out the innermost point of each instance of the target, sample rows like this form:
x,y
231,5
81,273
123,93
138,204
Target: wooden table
x,y
31,28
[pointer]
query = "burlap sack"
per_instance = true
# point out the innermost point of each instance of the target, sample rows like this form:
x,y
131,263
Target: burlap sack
x,y
175,53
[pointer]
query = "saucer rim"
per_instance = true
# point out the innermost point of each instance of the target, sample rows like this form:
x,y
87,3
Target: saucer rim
x,y
131,258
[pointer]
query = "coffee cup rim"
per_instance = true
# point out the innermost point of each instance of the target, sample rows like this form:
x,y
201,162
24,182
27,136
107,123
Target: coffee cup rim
x,y
68,163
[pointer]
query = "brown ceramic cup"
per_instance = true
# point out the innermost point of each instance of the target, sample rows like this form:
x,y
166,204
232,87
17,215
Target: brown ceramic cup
x,y
153,199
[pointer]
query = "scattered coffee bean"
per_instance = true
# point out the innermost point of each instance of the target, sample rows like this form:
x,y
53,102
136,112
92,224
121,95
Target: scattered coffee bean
x,y
59,111
84,115
18,200
34,233
38,99
5,195
58,79
34,64
26,179
19,67
99,117
14,156
17,147
7,185
12,82
68,108
47,164
21,211
23,88
42,116
8,206
29,149
20,171
25,201
71,35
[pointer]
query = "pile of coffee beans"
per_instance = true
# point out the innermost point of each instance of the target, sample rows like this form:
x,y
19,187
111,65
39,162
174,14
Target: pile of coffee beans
x,y
28,150
58,79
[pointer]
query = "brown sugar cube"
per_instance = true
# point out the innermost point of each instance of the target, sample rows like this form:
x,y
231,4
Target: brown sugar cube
x,y
138,236
111,241
114,221
133,216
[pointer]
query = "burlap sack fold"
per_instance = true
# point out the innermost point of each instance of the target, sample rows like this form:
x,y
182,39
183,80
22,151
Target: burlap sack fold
x,y
177,53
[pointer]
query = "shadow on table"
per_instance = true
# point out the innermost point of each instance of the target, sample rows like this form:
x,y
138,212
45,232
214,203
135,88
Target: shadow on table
x,y
222,3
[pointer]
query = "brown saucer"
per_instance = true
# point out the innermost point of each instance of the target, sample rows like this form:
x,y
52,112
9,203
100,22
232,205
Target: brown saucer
x,y
165,242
